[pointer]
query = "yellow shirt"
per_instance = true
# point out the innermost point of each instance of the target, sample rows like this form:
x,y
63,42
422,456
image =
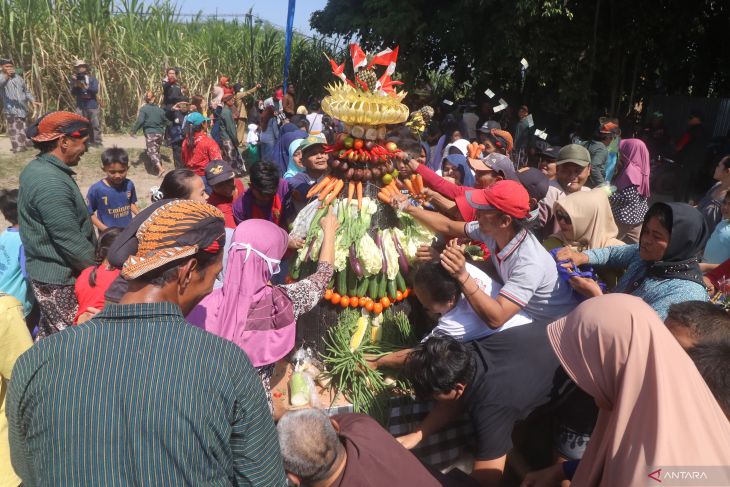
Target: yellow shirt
x,y
14,340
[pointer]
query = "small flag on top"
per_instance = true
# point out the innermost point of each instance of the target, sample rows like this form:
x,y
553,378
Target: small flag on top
x,y
387,57
359,59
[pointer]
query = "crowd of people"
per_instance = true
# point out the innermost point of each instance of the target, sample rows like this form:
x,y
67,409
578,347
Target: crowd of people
x,y
138,341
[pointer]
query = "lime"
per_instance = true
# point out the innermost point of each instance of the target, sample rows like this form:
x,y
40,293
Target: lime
x,y
387,179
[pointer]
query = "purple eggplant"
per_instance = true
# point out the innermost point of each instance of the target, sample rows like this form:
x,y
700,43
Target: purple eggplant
x,y
355,262
379,243
402,260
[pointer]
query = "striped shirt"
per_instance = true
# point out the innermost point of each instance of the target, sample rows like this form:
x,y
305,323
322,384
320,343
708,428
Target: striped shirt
x,y
138,396
15,96
55,227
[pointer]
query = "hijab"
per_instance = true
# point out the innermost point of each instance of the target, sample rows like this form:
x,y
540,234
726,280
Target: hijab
x,y
288,133
461,144
688,233
654,407
434,162
248,310
637,166
427,151
462,165
592,219
292,169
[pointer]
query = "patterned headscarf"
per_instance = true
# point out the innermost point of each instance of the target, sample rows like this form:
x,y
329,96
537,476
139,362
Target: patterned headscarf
x,y
166,231
54,125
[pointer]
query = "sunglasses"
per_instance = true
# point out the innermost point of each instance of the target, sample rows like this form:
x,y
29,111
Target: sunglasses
x,y
561,215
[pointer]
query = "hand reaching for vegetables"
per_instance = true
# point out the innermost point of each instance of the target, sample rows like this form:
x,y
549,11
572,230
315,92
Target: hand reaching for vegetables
x,y
426,253
453,260
295,243
329,222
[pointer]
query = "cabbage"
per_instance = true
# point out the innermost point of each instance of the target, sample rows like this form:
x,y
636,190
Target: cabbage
x,y
369,255
342,252
391,255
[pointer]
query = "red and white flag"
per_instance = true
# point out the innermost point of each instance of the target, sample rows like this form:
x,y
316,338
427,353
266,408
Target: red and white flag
x,y
387,57
386,84
359,59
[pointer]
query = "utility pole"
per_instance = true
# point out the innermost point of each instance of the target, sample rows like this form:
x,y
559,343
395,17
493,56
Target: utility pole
x,y
249,23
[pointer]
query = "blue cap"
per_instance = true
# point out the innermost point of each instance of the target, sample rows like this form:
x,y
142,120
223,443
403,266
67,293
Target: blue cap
x,y
196,118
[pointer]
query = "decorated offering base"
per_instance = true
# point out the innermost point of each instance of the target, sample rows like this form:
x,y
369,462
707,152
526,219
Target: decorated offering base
x,y
362,313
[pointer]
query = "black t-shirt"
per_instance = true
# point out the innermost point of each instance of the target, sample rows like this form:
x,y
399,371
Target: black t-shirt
x,y
516,371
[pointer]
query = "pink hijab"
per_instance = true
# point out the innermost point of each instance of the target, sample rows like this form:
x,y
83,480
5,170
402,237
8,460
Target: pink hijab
x,y
248,310
637,166
654,407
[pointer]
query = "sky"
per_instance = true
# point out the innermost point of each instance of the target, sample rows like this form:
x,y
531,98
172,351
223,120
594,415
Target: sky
x,y
272,10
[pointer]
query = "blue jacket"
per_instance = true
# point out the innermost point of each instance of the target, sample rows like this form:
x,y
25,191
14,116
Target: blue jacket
x,y
85,98
660,294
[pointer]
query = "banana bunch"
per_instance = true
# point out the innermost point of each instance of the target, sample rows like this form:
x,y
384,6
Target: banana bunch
x,y
356,107
419,120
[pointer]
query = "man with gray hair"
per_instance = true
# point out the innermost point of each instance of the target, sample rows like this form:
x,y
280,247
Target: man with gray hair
x,y
350,450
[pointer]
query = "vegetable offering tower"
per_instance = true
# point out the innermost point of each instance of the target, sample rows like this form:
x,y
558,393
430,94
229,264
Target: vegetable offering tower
x,y
374,244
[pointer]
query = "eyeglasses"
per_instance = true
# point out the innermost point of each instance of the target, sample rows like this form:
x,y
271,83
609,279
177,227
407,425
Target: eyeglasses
x,y
561,215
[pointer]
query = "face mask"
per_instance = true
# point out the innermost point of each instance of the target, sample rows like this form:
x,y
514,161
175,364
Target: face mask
x,y
272,264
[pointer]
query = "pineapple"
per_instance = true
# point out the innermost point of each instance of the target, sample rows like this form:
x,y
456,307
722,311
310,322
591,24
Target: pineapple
x,y
368,77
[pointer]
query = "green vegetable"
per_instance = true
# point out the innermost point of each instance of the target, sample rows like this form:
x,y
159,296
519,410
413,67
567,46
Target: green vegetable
x,y
348,370
373,287
382,285
391,289
400,282
351,282
298,390
362,287
342,282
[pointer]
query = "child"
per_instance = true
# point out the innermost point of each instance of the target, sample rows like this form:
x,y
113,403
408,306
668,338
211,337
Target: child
x,y
12,257
152,120
717,249
93,281
112,201
266,198
226,187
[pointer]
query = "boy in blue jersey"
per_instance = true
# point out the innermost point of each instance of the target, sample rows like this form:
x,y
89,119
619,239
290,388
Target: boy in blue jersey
x,y
112,201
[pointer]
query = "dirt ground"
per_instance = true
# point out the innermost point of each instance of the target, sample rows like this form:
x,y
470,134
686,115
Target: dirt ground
x,y
89,169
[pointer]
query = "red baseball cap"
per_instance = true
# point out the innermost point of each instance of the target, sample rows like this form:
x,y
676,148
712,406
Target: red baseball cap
x,y
507,196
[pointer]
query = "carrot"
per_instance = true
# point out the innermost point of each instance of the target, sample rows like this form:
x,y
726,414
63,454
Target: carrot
x,y
359,195
472,149
317,187
350,192
327,189
410,187
339,184
399,184
385,198
418,184
389,190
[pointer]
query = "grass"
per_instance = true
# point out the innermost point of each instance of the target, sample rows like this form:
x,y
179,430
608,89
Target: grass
x,y
129,44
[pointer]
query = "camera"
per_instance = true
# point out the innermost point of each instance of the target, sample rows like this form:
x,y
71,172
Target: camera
x,y
80,77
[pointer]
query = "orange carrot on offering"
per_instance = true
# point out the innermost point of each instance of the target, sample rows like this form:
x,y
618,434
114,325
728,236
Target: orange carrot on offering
x,y
409,185
327,189
339,184
418,184
318,187
385,198
350,191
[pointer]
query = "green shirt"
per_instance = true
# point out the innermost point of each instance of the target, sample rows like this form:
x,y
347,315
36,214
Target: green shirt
x,y
152,119
228,126
139,396
55,228
599,155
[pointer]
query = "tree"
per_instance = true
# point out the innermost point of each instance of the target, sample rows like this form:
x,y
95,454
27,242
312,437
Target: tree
x,y
586,58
